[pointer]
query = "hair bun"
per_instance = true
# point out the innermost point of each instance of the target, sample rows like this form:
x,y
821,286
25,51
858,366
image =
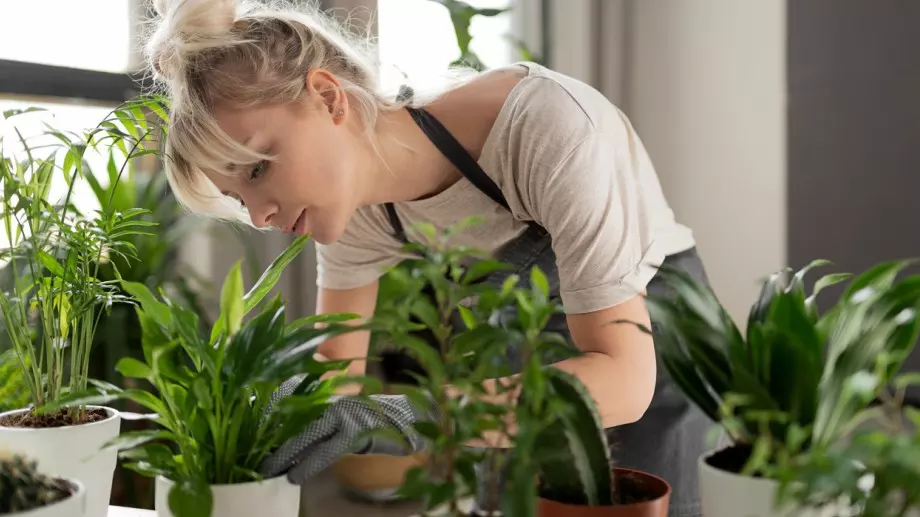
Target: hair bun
x,y
184,27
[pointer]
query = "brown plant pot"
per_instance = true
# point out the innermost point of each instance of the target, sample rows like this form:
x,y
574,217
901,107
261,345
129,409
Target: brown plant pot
x,y
375,477
652,494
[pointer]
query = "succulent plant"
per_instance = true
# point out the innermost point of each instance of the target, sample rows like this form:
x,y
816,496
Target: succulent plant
x,y
23,487
581,470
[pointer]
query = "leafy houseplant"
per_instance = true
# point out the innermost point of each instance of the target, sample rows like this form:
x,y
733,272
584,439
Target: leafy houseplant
x,y
26,491
878,469
213,396
462,327
56,297
483,321
785,386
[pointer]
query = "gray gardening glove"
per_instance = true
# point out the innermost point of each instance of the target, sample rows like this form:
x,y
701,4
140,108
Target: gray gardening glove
x,y
343,429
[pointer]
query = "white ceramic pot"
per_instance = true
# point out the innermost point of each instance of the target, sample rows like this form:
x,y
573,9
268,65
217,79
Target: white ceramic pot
x,y
727,494
73,506
276,497
72,452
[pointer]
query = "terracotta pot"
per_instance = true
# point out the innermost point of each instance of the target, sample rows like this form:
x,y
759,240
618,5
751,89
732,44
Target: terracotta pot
x,y
375,477
655,491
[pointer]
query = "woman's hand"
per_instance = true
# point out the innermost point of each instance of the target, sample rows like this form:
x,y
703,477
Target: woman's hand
x,y
345,428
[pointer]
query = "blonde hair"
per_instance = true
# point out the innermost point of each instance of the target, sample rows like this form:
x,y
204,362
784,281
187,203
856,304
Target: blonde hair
x,y
246,52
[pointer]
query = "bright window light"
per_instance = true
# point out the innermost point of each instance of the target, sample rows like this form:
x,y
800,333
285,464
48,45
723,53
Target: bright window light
x,y
61,117
416,37
67,33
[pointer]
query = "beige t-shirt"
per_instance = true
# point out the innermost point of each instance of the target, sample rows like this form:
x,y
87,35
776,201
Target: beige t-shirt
x,y
564,157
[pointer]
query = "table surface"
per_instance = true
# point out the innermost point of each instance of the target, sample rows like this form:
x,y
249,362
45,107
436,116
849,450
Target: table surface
x,y
324,497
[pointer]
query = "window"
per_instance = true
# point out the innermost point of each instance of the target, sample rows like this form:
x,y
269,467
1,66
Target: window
x,y
416,37
67,33
61,117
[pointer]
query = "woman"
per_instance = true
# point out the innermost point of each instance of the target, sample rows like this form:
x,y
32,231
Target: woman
x,y
277,121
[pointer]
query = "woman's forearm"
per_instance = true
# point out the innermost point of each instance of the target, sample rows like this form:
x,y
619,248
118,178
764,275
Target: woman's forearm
x,y
621,387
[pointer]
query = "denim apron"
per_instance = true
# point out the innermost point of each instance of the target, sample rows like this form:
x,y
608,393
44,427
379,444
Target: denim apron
x,y
669,439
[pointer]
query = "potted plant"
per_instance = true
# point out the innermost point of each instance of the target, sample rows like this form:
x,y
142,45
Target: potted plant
x,y
576,473
51,309
481,327
769,412
461,326
26,492
213,396
878,468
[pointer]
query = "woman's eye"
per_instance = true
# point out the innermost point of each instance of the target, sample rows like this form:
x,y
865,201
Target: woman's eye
x,y
257,171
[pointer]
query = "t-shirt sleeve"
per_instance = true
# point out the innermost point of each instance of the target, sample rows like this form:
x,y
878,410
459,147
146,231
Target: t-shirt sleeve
x,y
581,180
360,256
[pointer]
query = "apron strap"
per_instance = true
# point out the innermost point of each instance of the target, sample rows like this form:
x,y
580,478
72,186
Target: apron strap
x,y
451,148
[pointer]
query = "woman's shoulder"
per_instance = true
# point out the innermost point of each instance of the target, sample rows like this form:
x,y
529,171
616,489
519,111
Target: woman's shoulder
x,y
568,104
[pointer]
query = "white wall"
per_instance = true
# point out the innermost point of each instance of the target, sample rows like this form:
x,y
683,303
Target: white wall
x,y
705,87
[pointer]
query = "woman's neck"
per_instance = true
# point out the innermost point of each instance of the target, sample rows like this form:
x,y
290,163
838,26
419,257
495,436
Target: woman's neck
x,y
408,166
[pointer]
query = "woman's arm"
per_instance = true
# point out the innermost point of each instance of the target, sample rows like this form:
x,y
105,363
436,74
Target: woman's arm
x,y
617,365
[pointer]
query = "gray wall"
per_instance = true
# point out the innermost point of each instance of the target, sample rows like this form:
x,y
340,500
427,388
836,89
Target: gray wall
x,y
853,130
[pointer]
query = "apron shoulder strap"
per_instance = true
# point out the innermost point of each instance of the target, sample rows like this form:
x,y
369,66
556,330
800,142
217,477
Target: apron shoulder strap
x,y
451,148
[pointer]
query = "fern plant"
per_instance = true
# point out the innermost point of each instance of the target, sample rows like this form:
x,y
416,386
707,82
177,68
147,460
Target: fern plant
x,y
789,383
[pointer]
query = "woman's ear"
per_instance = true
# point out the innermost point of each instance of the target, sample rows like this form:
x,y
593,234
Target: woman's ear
x,y
325,92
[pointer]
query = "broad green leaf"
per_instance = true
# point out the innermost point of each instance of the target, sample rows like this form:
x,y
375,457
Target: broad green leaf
x,y
231,300
149,304
188,499
538,279
130,367
266,282
51,264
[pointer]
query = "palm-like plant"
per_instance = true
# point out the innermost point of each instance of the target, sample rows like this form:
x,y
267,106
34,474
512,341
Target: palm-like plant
x,y
788,384
55,253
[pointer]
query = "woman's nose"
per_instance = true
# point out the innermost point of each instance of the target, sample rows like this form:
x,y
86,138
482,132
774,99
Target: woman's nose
x,y
263,214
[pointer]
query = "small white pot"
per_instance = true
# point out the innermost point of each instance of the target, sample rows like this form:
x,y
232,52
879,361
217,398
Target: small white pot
x,y
276,497
73,506
727,494
72,452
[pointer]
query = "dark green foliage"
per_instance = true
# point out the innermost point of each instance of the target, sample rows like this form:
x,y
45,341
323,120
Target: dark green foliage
x,y
788,384
24,488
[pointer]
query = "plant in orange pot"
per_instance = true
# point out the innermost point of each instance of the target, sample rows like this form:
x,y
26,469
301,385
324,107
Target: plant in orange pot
x,y
576,474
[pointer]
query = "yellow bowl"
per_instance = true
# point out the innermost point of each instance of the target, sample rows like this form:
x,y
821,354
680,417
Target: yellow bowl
x,y
375,477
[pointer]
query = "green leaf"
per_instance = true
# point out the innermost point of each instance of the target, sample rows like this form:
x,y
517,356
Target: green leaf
x,y
231,300
189,499
538,279
149,304
51,264
266,282
130,367
482,268
467,315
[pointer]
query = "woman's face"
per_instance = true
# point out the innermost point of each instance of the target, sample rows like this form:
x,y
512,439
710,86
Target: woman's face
x,y
313,184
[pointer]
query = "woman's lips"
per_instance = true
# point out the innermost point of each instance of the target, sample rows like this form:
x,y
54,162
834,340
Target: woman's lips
x,y
300,223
